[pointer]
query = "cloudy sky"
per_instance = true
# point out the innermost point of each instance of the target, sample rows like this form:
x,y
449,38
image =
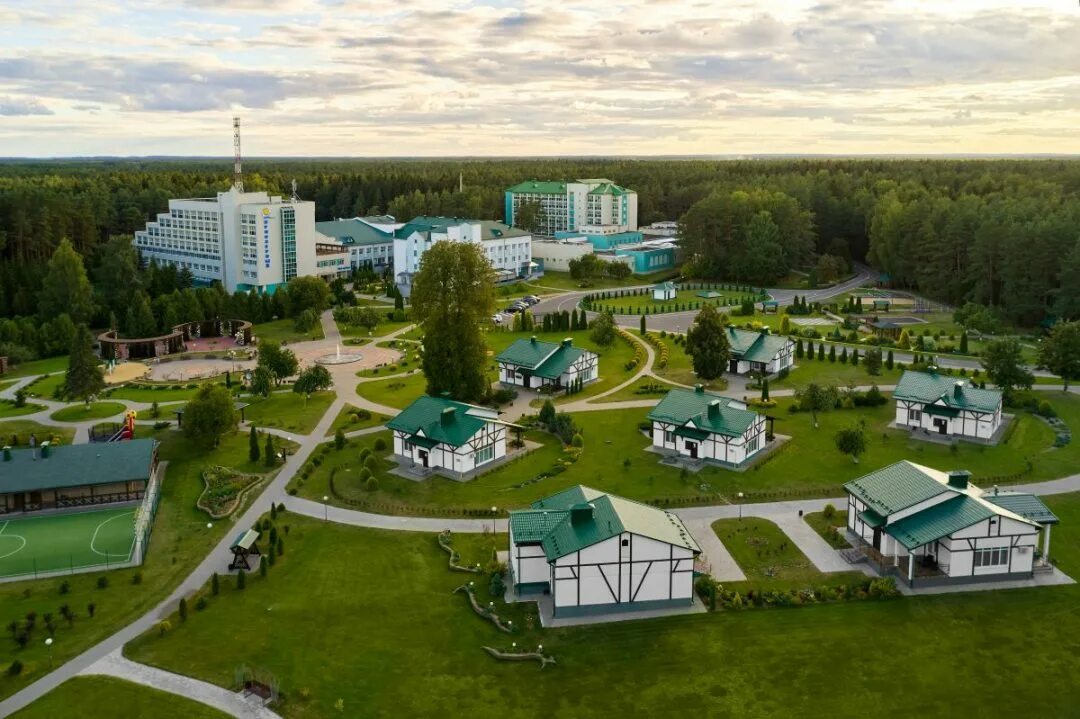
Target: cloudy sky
x,y
538,77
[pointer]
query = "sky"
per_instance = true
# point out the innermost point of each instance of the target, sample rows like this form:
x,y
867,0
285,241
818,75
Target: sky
x,y
399,78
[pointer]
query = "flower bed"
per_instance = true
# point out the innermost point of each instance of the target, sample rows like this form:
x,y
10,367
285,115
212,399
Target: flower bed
x,y
225,487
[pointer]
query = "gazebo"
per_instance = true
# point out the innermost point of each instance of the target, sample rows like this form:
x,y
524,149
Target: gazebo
x,y
243,547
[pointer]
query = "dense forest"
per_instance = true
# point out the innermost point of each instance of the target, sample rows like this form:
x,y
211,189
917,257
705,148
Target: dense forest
x,y
1004,234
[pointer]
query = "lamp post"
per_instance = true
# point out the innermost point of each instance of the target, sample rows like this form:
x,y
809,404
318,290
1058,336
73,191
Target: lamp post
x,y
494,512
209,525
325,510
740,505
48,643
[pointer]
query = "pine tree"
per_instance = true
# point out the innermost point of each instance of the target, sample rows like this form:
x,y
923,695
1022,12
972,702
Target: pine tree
x,y
854,357
832,353
799,350
963,343
821,351
643,327
268,457
889,360
241,579
215,584
765,389
253,445
84,378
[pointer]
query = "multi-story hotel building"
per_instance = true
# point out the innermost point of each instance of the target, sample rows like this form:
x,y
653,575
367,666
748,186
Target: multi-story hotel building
x,y
593,206
247,241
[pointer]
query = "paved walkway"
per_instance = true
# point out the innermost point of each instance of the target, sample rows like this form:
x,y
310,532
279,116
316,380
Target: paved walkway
x,y
114,664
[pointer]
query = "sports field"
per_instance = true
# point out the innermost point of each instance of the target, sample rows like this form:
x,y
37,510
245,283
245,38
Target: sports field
x,y
59,542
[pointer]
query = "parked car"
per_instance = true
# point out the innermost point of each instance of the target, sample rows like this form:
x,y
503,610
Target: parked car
x,y
513,308
531,299
497,318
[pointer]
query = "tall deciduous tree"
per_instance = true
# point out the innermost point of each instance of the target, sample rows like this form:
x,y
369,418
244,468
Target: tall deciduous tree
x,y
209,415
313,379
306,293
852,441
1004,363
452,295
1060,351
66,288
816,398
280,363
84,377
707,344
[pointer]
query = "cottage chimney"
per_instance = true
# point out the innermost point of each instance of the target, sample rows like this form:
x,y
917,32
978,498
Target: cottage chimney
x,y
533,339
46,449
958,479
581,513
447,416
714,408
699,388
7,453
568,341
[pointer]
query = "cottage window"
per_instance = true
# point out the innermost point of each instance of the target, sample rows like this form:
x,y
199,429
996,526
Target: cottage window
x,y
914,415
994,557
669,436
484,454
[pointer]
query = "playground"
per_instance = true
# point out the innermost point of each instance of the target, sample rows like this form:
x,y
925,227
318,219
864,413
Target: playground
x,y
60,543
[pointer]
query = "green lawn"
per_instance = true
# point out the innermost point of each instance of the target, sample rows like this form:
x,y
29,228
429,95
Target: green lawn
x,y
284,332
384,327
644,303
21,429
288,410
680,367
46,386
348,420
563,281
650,389
163,391
8,408
826,527
180,541
36,367
768,557
104,697
396,392
837,373
4,384
394,593
81,412
612,366
614,459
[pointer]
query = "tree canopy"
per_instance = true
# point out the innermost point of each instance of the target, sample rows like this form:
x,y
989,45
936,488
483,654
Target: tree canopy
x,y
209,415
707,344
84,377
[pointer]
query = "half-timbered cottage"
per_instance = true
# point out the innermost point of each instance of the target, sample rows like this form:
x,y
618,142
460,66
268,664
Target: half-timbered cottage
x,y
930,527
598,553
947,405
441,434
759,352
700,425
533,363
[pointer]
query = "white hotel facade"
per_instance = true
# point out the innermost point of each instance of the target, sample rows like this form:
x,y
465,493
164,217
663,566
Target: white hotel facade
x,y
247,241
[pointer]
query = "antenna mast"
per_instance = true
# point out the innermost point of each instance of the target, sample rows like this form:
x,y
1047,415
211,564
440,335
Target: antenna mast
x,y
238,176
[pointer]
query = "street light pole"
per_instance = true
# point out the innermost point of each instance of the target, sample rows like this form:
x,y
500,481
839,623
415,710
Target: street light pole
x,y
325,508
494,512
48,643
740,506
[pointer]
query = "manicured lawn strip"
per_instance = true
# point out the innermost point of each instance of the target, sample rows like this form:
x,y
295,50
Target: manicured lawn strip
x,y
685,300
284,332
409,359
394,392
288,410
825,527
652,389
104,697
8,408
37,367
563,281
46,386
180,541
81,412
385,326
763,551
612,366
23,428
4,384
348,422
837,373
164,391
394,590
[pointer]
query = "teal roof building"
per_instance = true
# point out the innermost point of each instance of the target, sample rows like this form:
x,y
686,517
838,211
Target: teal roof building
x,y
535,364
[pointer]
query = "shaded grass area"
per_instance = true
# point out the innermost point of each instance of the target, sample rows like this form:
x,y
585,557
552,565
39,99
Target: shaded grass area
x,y
342,576
180,541
47,386
8,408
104,697
82,412
16,432
284,332
36,367
289,410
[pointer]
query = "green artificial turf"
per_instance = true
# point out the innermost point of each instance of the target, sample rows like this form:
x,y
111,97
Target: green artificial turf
x,y
393,592
179,542
105,697
288,410
81,412
51,542
284,332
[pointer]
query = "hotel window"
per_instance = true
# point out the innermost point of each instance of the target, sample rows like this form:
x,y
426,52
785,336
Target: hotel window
x,y
994,557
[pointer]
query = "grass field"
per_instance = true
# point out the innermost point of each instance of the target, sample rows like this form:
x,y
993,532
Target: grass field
x,y
46,386
348,420
684,300
825,527
16,432
163,392
36,367
396,392
394,591
837,373
81,412
680,367
767,556
8,409
55,542
104,697
563,281
289,410
180,540
284,332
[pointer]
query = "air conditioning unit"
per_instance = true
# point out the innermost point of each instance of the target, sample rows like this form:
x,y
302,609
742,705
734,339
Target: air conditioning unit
x,y
1023,550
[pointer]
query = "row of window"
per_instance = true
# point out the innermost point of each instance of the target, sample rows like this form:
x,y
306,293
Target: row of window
x,y
994,557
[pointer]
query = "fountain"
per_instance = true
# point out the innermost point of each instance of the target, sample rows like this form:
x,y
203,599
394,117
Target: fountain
x,y
338,357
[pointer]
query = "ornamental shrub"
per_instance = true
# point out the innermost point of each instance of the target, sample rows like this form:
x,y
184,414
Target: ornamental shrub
x,y
380,444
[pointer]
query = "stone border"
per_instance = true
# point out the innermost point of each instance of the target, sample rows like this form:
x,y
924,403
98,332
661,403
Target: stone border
x,y
520,656
444,539
237,502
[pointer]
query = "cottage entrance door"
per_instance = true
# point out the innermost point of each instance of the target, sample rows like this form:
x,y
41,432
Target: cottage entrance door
x,y
733,366
877,538
691,447
941,425
424,458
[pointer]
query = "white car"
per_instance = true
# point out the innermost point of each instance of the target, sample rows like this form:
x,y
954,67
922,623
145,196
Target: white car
x,y
497,319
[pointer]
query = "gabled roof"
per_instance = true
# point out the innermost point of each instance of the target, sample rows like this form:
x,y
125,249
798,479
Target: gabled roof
x,y
939,520
607,188
896,487
600,517
954,392
489,229
1025,504
442,420
705,411
245,539
545,359
665,286
353,232
755,346
77,465
543,187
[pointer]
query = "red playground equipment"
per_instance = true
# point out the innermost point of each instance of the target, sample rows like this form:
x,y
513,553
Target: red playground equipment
x,y
114,432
